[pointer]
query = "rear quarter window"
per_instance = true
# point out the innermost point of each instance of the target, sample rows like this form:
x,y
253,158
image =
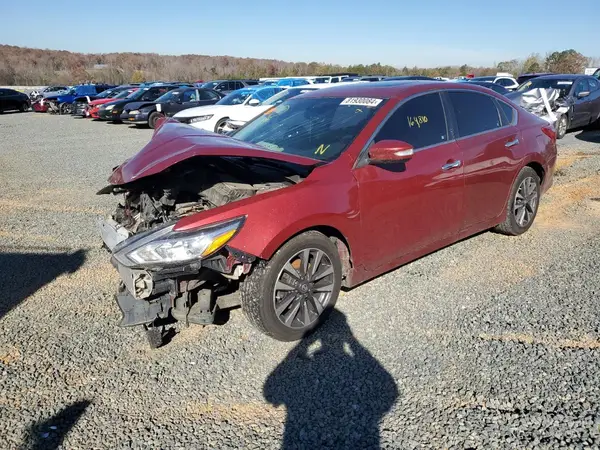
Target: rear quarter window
x,y
507,113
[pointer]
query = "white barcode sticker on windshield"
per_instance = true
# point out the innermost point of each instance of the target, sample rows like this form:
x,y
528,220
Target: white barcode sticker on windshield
x,y
565,82
361,101
158,107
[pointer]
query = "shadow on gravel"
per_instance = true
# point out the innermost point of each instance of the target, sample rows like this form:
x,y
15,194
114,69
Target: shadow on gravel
x,y
50,434
22,274
335,391
589,136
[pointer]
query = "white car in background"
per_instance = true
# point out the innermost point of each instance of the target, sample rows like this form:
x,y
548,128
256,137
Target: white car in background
x,y
214,117
240,116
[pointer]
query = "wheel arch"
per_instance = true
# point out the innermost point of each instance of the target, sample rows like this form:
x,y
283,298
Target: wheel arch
x,y
338,238
538,168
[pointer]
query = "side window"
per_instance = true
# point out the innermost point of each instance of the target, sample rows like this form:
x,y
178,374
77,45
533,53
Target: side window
x,y
223,86
504,82
507,113
474,112
593,84
420,122
238,85
582,86
208,95
189,96
334,80
2,92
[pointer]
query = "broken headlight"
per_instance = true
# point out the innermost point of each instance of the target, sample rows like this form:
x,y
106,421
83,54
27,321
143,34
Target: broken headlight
x,y
183,246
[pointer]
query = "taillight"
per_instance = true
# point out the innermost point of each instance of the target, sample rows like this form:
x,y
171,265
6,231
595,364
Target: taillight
x,y
549,131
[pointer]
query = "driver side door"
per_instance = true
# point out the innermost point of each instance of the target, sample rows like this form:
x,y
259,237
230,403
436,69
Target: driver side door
x,y
408,208
581,106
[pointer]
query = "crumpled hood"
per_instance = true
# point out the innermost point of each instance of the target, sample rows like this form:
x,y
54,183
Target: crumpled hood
x,y
204,110
174,142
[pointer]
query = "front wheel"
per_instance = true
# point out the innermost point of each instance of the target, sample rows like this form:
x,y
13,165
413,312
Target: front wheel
x,y
154,118
220,126
561,126
24,107
294,292
522,203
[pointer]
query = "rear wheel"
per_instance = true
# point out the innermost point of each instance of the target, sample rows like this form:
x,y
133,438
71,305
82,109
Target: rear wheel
x,y
294,292
522,204
154,118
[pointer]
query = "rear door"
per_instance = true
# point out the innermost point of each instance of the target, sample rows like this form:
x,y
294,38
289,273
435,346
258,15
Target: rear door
x,y
594,98
488,136
406,207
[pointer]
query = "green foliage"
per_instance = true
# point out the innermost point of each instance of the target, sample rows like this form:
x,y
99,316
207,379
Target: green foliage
x,y
138,77
567,61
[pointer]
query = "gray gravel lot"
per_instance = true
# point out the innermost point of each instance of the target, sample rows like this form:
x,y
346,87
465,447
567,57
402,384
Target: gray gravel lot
x,y
490,343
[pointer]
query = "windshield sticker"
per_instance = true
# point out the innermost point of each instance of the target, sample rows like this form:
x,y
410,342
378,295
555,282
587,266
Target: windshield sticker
x,y
565,82
416,121
362,101
322,149
158,107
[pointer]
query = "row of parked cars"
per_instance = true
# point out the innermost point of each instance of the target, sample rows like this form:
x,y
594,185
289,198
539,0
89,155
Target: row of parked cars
x,y
222,106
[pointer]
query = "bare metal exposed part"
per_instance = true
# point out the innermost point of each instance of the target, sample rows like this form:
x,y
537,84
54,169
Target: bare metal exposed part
x,y
192,187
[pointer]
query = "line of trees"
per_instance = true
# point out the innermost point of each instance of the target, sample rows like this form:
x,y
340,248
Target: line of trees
x,y
29,66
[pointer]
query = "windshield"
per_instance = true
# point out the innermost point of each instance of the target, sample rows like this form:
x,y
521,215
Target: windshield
x,y
548,83
170,97
284,95
124,94
109,93
210,85
236,97
597,74
318,128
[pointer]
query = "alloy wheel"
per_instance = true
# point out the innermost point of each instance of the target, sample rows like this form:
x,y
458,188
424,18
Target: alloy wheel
x,y
526,201
562,126
304,288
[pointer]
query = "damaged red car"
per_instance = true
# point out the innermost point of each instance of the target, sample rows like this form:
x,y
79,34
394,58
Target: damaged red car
x,y
326,190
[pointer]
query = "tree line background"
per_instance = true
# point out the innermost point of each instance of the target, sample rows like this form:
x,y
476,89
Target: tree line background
x,y
30,67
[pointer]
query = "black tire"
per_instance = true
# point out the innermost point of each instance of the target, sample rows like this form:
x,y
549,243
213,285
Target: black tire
x,y
562,125
511,226
154,118
220,124
24,107
257,290
155,336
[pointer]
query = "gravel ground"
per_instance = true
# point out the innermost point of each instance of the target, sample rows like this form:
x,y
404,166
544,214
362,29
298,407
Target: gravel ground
x,y
490,343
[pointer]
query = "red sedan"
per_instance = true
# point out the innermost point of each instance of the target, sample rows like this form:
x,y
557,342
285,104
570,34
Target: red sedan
x,y
92,109
328,189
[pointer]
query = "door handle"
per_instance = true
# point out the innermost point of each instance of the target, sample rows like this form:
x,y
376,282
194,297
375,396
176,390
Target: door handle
x,y
510,144
452,165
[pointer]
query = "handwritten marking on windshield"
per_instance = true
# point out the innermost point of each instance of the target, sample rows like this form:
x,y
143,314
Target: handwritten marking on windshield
x,y
321,149
417,121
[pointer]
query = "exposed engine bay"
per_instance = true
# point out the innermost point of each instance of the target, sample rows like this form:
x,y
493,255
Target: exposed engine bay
x,y
194,186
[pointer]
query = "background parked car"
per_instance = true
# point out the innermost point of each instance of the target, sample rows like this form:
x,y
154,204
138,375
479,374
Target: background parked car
x,y
493,86
213,118
148,113
292,82
508,82
80,104
112,111
410,78
61,103
580,93
528,76
94,105
11,100
54,90
228,86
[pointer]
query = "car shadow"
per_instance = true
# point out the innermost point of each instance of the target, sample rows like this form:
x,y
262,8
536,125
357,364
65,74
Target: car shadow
x,y
22,274
592,136
50,434
335,391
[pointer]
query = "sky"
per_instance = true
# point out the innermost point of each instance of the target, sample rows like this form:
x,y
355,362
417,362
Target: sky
x,y
424,33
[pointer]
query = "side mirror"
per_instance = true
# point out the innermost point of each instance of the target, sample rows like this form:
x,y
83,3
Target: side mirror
x,y
253,102
390,151
583,94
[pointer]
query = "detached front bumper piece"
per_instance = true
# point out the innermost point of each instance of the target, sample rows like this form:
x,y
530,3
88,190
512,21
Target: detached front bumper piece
x,y
141,312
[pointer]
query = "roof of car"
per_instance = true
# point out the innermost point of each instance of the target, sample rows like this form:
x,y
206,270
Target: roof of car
x,y
391,89
566,76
